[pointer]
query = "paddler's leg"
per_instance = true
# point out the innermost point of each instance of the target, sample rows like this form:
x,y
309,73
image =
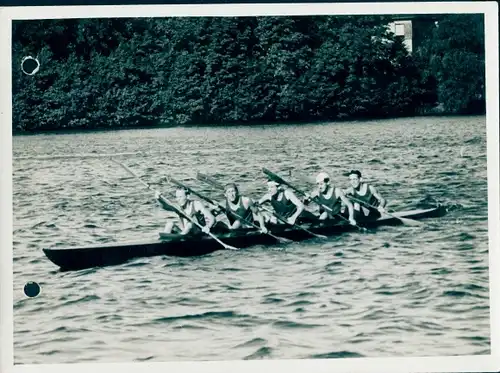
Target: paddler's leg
x,y
307,217
335,218
370,213
266,216
269,218
366,214
360,212
374,214
259,220
220,227
169,226
195,231
344,211
343,215
359,215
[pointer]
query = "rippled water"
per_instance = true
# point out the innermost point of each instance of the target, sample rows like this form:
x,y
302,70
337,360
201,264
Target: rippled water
x,y
402,291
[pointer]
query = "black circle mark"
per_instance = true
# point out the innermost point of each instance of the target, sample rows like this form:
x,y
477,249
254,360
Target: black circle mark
x,y
31,289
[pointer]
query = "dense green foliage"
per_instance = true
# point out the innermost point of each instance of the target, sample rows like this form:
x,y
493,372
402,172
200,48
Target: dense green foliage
x,y
453,56
101,73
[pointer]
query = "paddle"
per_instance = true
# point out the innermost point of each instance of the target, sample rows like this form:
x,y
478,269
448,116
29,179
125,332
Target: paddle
x,y
174,208
406,221
272,175
209,200
216,184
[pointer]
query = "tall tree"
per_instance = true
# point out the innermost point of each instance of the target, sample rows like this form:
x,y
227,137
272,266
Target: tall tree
x,y
453,56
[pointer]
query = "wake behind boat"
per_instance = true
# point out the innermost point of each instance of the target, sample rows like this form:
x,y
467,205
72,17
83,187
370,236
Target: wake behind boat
x,y
78,258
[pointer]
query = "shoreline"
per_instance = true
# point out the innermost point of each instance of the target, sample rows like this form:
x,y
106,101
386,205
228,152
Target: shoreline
x,y
80,130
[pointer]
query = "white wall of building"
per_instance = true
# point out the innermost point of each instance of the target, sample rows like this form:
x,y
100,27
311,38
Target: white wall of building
x,y
403,28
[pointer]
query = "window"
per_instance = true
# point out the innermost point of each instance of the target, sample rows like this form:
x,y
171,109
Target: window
x,y
400,29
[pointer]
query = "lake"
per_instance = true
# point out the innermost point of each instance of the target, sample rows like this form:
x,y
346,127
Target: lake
x,y
401,291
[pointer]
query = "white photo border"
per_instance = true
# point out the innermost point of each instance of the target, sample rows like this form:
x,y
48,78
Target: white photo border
x,y
484,363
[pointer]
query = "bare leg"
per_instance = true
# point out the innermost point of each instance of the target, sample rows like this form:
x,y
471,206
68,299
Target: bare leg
x,y
271,219
169,226
220,226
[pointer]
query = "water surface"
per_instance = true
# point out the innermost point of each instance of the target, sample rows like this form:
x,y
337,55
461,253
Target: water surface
x,y
402,291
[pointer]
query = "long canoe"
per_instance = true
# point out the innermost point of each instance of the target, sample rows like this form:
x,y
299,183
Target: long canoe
x,y
78,258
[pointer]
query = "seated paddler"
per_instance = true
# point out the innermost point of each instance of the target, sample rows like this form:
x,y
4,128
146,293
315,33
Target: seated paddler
x,y
286,205
367,201
241,211
330,199
195,209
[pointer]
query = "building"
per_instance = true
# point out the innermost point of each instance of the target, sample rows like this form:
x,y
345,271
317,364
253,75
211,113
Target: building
x,y
403,28
414,28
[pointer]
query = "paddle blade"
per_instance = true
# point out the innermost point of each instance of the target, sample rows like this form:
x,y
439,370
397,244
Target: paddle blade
x,y
281,240
132,173
413,223
128,170
167,205
209,180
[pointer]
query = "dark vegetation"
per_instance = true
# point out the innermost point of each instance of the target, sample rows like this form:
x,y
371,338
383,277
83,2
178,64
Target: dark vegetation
x,y
110,73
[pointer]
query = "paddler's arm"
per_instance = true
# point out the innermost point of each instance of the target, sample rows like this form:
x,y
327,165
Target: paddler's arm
x,y
347,191
290,195
382,202
265,198
250,204
310,196
348,203
350,192
200,207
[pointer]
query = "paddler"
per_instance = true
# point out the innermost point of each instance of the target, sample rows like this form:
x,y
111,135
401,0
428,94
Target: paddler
x,y
192,208
367,201
286,204
332,197
241,210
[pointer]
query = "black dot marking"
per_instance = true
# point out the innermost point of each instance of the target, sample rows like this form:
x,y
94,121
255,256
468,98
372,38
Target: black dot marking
x,y
31,289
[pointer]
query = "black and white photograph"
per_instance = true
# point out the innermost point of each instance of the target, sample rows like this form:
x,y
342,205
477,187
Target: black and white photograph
x,y
291,187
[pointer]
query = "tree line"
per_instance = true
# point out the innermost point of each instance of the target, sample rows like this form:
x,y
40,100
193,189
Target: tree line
x,y
110,73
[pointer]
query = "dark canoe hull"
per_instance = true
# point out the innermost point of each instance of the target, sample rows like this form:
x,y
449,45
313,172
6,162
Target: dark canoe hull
x,y
174,245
